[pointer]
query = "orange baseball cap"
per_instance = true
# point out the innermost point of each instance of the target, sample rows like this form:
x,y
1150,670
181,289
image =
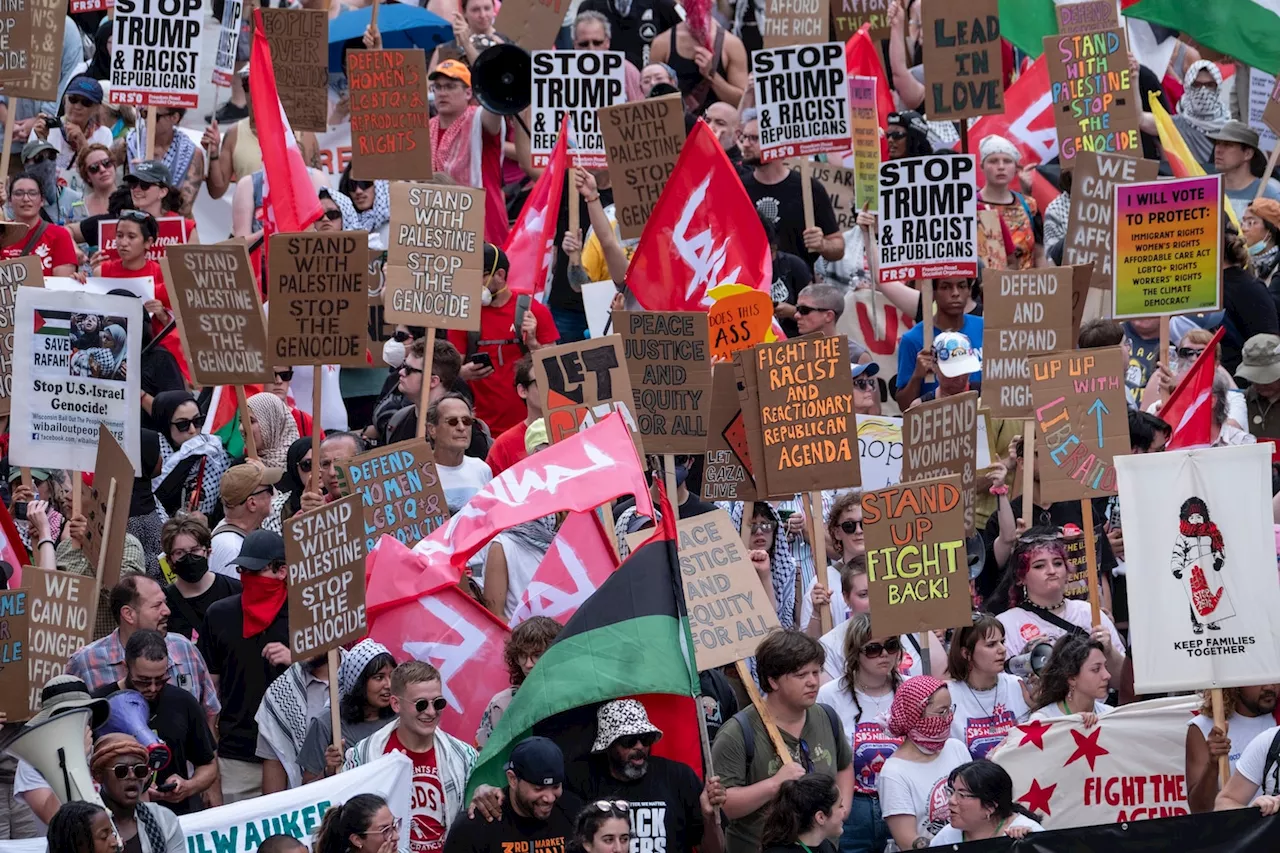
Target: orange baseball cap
x,y
454,70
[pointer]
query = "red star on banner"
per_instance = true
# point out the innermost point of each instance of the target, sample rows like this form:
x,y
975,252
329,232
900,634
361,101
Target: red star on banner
x,y
1033,732
1087,747
1037,799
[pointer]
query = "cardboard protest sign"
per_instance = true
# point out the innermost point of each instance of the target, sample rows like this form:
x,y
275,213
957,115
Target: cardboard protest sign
x,y
1081,277
1088,16
739,322
15,45
848,16
725,474
435,260
299,40
1096,103
963,65
864,122
1024,311
667,356
400,489
19,272
325,549
112,465
76,365
1089,228
1271,112
44,68
216,300
576,83
787,22
642,141
319,301
928,213
808,432
532,24
583,382
224,61
729,611
390,135
840,184
1199,541
1168,237
62,609
1083,419
15,635
802,94
940,438
156,52
172,232
917,571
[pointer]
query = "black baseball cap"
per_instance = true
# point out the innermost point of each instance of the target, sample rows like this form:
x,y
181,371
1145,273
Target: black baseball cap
x,y
538,761
260,549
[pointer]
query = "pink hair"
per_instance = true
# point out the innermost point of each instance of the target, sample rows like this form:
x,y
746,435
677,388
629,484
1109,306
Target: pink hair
x,y
1023,556
697,14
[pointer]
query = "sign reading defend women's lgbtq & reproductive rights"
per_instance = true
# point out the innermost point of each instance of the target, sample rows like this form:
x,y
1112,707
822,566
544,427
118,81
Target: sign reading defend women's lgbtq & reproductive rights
x,y
928,218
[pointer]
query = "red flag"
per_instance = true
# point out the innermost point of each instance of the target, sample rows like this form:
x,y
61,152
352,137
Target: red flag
x,y
703,231
293,203
1027,120
1189,410
11,550
580,559
531,243
862,59
446,628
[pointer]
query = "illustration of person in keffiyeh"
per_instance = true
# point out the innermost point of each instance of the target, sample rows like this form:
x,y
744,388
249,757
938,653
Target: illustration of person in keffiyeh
x,y
1198,556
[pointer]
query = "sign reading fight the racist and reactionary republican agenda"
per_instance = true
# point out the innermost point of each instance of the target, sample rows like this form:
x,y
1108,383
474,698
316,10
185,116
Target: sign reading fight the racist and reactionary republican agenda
x,y
729,610
928,218
434,272
788,22
1024,311
390,135
802,94
76,365
864,122
642,142
1167,245
156,52
963,64
1095,96
299,40
224,62
15,39
62,609
319,301
1200,542
917,571
576,83
219,309
325,549
1083,420
15,273
726,474
15,637
1089,227
583,382
940,438
667,355
401,491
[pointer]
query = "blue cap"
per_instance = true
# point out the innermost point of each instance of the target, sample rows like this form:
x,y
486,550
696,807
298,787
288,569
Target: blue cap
x,y
86,87
868,370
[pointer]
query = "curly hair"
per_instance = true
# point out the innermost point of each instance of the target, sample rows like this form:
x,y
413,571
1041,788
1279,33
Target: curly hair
x,y
1032,542
1067,659
533,636
841,505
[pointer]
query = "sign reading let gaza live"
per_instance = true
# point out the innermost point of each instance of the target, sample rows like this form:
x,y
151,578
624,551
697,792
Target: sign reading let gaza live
x,y
803,97
157,53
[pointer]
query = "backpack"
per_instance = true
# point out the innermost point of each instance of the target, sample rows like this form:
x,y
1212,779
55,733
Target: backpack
x,y
749,733
1273,756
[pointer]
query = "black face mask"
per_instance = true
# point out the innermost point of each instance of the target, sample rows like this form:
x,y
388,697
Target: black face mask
x,y
191,568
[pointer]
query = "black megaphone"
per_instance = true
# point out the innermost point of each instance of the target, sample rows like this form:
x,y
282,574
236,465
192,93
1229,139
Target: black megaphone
x,y
502,80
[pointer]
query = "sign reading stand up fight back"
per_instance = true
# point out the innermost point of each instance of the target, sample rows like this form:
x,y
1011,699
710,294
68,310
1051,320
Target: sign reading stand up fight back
x,y
802,94
156,59
928,218
576,83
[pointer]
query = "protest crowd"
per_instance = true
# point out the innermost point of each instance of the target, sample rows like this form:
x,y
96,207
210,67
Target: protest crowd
x,y
640,427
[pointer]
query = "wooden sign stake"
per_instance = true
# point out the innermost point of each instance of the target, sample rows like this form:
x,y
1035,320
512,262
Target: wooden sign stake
x,y
106,530
427,357
1164,349
1091,561
575,216
335,708
1262,185
669,476
1220,721
819,556
6,148
151,133
77,483
250,445
316,430
1028,470
806,193
926,303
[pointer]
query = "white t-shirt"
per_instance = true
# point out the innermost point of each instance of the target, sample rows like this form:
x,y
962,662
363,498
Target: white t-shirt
x,y
984,717
461,482
833,643
1022,626
1252,763
66,157
839,609
951,835
1240,730
872,744
920,789
1054,711
27,778
223,548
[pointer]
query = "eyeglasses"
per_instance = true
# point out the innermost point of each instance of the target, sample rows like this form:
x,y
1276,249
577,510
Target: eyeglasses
x,y
806,310
407,370
587,44
199,550
964,795
864,384
941,712
25,194
184,424
1189,352
465,420
333,214
138,771
763,527
874,650
387,832
618,807
284,375
438,704
305,466
449,86
632,741
79,101
753,138
149,682
146,114
851,527
97,166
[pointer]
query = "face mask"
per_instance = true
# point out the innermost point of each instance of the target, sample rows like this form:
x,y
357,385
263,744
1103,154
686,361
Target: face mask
x,y
931,733
191,568
1258,248
486,298
682,474
393,352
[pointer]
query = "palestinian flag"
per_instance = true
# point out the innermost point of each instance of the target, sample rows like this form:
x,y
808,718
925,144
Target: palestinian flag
x,y
630,639
1243,29
52,322
1025,23
223,419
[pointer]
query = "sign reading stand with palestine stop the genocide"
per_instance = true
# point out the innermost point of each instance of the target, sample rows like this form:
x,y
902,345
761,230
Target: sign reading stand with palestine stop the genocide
x,y
928,218
156,58
325,549
319,301
44,68
576,83
15,39
1096,102
434,271
963,63
802,94
643,142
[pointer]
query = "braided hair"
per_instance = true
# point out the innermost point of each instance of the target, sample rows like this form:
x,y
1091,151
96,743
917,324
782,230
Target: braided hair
x,y
71,828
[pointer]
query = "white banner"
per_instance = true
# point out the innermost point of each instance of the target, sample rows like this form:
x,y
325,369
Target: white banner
x,y
1130,766
76,363
880,449
156,58
241,827
928,217
224,61
143,287
1200,543
575,83
802,94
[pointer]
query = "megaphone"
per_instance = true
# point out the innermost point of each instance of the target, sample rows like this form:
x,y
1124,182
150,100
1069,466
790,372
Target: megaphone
x,y
502,80
129,715
55,748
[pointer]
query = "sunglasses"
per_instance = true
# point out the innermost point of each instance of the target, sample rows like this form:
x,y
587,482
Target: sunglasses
x,y
184,424
97,166
134,215
763,527
1189,352
897,135
362,185
851,527
438,704
79,101
874,650
138,771
632,741
407,370
864,384
618,807
333,215
806,310
402,336
137,184
465,420
305,466
284,375
44,157
265,490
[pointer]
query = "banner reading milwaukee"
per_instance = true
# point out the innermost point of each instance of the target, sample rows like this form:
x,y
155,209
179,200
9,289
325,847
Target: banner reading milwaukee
x,y
157,53
575,83
803,97
928,213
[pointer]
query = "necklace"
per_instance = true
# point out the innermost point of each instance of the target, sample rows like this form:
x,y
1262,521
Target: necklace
x,y
1053,608
878,703
995,700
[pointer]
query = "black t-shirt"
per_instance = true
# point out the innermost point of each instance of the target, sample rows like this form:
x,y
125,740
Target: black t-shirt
x,y
665,812
790,276
633,33
783,203
514,834
1059,514
243,673
179,721
562,293
719,702
181,610
825,846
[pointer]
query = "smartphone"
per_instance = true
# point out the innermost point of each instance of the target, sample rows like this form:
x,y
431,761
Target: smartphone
x,y
785,514
480,358
166,787
20,511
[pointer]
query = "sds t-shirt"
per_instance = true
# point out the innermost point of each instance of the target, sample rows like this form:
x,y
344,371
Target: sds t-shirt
x,y
426,832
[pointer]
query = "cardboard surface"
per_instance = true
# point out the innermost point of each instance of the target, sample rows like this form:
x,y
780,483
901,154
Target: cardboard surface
x,y
400,489
62,608
44,68
1096,102
642,142
532,24
1086,17
325,549
1024,311
299,40
788,23
667,356
435,258
319,299
841,185
113,465
725,474
583,382
739,322
15,46
1090,227
940,438
848,16
390,134
963,65
215,297
19,272
15,641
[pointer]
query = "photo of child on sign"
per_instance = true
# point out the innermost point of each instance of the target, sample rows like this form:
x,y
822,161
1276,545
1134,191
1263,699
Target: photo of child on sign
x,y
99,346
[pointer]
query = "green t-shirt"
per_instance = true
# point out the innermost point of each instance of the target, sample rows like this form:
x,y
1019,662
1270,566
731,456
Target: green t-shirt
x,y
828,752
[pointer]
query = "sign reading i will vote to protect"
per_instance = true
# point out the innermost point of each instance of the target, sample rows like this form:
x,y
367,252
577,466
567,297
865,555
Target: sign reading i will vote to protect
x,y
802,94
1167,239
928,218
325,549
576,83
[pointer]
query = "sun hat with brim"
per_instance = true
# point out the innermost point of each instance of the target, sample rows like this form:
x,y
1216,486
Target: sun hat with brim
x,y
622,718
38,475
64,693
1236,131
1260,360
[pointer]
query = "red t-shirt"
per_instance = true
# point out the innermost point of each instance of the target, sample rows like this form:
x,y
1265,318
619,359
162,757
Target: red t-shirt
x,y
55,248
497,403
172,341
508,449
426,832
303,420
